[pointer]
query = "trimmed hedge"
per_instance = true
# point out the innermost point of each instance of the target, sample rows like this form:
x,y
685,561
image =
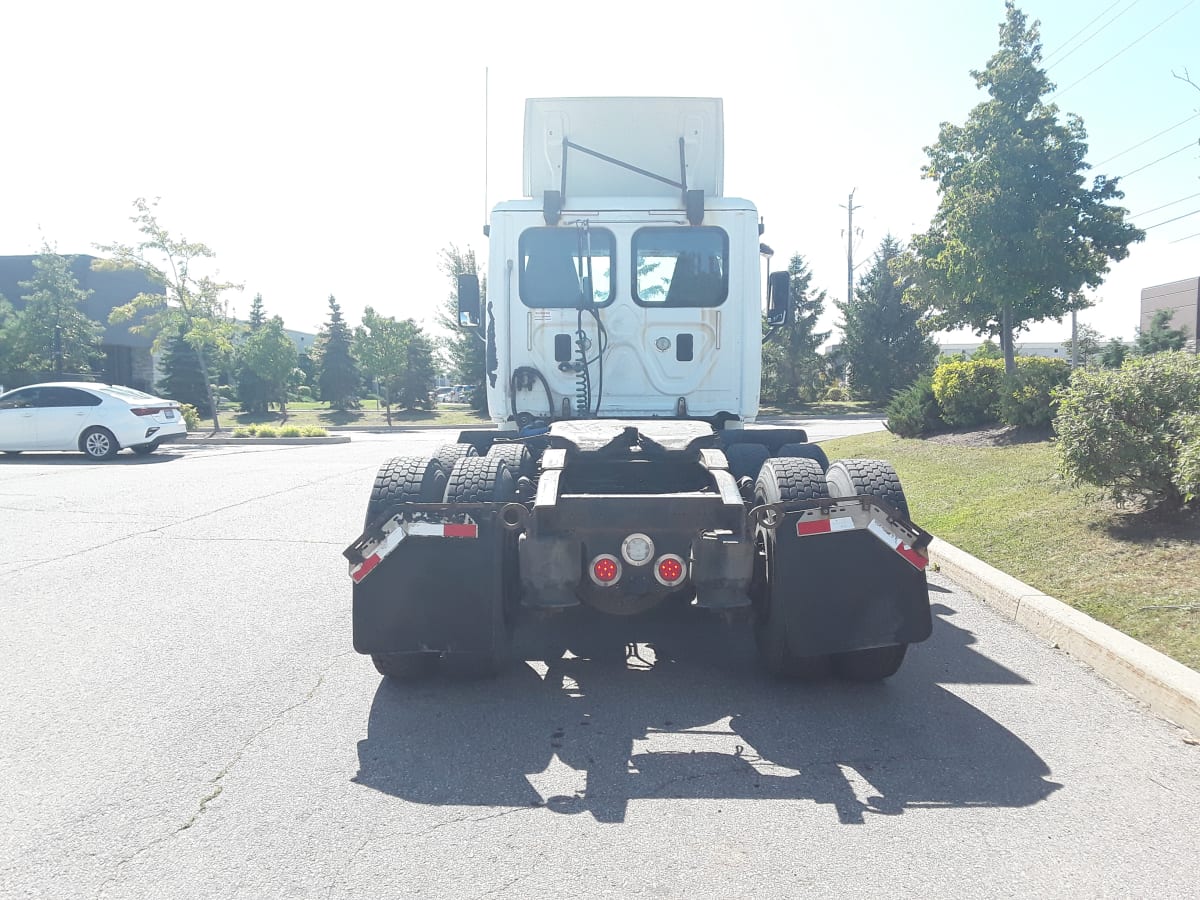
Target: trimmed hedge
x,y
968,391
1028,396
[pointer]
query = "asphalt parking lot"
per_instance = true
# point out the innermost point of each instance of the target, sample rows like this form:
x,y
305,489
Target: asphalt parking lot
x,y
185,717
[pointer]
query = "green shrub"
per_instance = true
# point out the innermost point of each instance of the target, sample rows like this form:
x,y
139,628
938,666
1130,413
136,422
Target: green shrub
x,y
1133,431
290,431
241,432
836,393
1028,396
267,431
191,417
313,431
1187,470
914,411
968,391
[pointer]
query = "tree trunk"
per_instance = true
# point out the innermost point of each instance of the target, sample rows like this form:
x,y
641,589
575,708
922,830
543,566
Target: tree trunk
x,y
212,399
388,409
1006,339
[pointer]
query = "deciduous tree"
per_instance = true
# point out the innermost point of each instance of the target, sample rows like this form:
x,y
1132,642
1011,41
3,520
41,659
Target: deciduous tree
x,y
396,356
192,306
1018,234
269,355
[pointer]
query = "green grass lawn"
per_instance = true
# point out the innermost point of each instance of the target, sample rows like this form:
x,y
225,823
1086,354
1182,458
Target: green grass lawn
x,y
1008,506
371,415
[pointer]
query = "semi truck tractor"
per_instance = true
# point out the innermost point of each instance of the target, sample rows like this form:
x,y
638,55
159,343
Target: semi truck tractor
x,y
621,330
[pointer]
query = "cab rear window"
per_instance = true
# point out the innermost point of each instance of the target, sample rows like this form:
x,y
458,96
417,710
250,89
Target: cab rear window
x,y
555,266
680,266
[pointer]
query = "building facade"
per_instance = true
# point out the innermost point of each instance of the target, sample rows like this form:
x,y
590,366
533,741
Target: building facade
x,y
127,356
1182,298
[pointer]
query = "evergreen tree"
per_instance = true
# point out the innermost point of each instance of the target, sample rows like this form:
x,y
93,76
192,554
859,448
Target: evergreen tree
x,y
1160,336
338,372
182,378
258,316
1114,353
1017,235
8,321
793,370
252,390
53,333
465,352
882,344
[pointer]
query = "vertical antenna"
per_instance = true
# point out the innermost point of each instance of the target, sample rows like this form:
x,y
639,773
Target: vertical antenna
x,y
486,227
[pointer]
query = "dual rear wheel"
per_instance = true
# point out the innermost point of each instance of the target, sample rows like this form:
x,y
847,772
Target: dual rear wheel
x,y
781,480
469,478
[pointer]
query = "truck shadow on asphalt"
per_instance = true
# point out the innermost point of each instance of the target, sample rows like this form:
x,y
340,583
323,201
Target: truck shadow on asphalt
x,y
687,713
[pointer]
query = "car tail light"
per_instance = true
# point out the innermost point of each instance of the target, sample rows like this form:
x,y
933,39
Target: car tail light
x,y
146,410
670,570
606,569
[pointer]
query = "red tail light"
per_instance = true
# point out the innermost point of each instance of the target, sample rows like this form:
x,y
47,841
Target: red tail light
x,y
146,410
606,569
670,570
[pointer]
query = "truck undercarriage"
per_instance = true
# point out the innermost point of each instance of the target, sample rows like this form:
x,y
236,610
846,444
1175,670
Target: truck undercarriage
x,y
461,548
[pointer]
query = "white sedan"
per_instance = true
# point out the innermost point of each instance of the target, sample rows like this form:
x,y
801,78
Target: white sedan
x,y
96,419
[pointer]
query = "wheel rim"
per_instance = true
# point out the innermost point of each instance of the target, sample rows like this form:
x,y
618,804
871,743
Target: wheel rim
x,y
98,444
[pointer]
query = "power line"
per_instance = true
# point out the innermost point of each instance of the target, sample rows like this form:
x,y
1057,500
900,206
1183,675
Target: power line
x,y
1186,238
1176,219
1146,212
1149,139
1094,33
1188,146
1123,49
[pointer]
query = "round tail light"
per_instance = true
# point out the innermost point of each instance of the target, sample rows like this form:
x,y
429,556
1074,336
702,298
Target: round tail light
x,y
670,570
606,569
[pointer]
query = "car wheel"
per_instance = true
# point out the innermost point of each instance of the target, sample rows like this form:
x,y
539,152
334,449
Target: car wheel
x,y
99,443
145,449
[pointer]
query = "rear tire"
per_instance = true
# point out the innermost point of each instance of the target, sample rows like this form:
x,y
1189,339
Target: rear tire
x,y
873,478
487,479
99,444
516,455
449,454
405,666
406,479
874,664
780,481
805,451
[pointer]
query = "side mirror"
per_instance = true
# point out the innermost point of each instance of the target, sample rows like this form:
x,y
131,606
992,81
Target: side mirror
x,y
779,298
469,311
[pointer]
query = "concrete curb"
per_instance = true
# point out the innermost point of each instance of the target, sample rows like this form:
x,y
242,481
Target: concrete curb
x,y
291,442
1169,688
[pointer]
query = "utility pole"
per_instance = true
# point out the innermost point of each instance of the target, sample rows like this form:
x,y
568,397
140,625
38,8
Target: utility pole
x,y
850,208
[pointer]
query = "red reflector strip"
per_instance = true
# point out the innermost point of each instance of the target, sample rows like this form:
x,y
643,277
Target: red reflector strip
x,y
806,527
363,569
461,531
915,559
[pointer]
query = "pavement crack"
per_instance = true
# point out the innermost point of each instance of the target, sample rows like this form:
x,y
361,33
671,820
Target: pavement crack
x,y
216,787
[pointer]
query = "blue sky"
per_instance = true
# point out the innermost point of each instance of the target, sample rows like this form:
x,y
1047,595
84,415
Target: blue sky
x,y
335,149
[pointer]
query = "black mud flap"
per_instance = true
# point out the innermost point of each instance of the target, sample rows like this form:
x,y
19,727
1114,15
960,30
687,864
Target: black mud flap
x,y
436,593
848,591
